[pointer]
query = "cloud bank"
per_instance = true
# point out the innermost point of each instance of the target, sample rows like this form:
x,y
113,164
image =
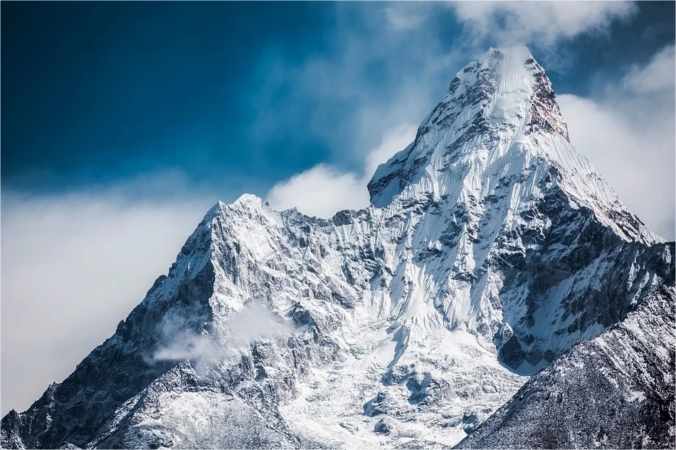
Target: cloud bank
x,y
73,266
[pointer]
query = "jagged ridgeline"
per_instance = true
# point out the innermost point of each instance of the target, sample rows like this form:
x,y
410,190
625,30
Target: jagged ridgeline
x,y
491,251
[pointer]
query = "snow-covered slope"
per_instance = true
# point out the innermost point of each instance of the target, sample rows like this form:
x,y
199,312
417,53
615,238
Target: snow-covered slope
x,y
490,248
615,391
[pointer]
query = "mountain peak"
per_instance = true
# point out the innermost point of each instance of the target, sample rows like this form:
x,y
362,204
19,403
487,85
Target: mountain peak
x,y
508,61
504,101
249,200
499,126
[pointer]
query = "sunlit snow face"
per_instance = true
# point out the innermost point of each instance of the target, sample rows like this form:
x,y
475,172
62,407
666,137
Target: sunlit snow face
x,y
508,107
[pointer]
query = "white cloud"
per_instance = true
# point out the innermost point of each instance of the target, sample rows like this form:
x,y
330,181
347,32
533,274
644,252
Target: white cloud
x,y
628,134
538,23
657,76
320,191
73,266
324,190
242,328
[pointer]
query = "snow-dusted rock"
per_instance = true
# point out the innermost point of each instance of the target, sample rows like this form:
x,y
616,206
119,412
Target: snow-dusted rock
x,y
491,247
615,391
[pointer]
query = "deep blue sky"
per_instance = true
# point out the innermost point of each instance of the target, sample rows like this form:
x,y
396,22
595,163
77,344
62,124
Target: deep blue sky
x,y
96,93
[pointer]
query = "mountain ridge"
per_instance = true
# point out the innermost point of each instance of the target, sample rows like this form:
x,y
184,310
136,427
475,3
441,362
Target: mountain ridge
x,y
491,247
604,392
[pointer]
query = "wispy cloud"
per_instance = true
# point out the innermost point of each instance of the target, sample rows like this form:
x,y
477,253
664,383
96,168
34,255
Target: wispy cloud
x,y
234,336
369,80
401,18
656,77
540,24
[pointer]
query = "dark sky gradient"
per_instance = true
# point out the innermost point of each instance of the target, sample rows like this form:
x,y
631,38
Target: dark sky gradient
x,y
106,90
94,93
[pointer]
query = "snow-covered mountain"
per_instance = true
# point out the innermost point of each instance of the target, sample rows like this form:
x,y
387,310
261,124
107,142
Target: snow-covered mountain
x,y
491,247
615,391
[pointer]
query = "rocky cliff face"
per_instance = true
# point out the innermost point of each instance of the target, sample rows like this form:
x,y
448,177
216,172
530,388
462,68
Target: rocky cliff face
x,y
615,391
491,247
